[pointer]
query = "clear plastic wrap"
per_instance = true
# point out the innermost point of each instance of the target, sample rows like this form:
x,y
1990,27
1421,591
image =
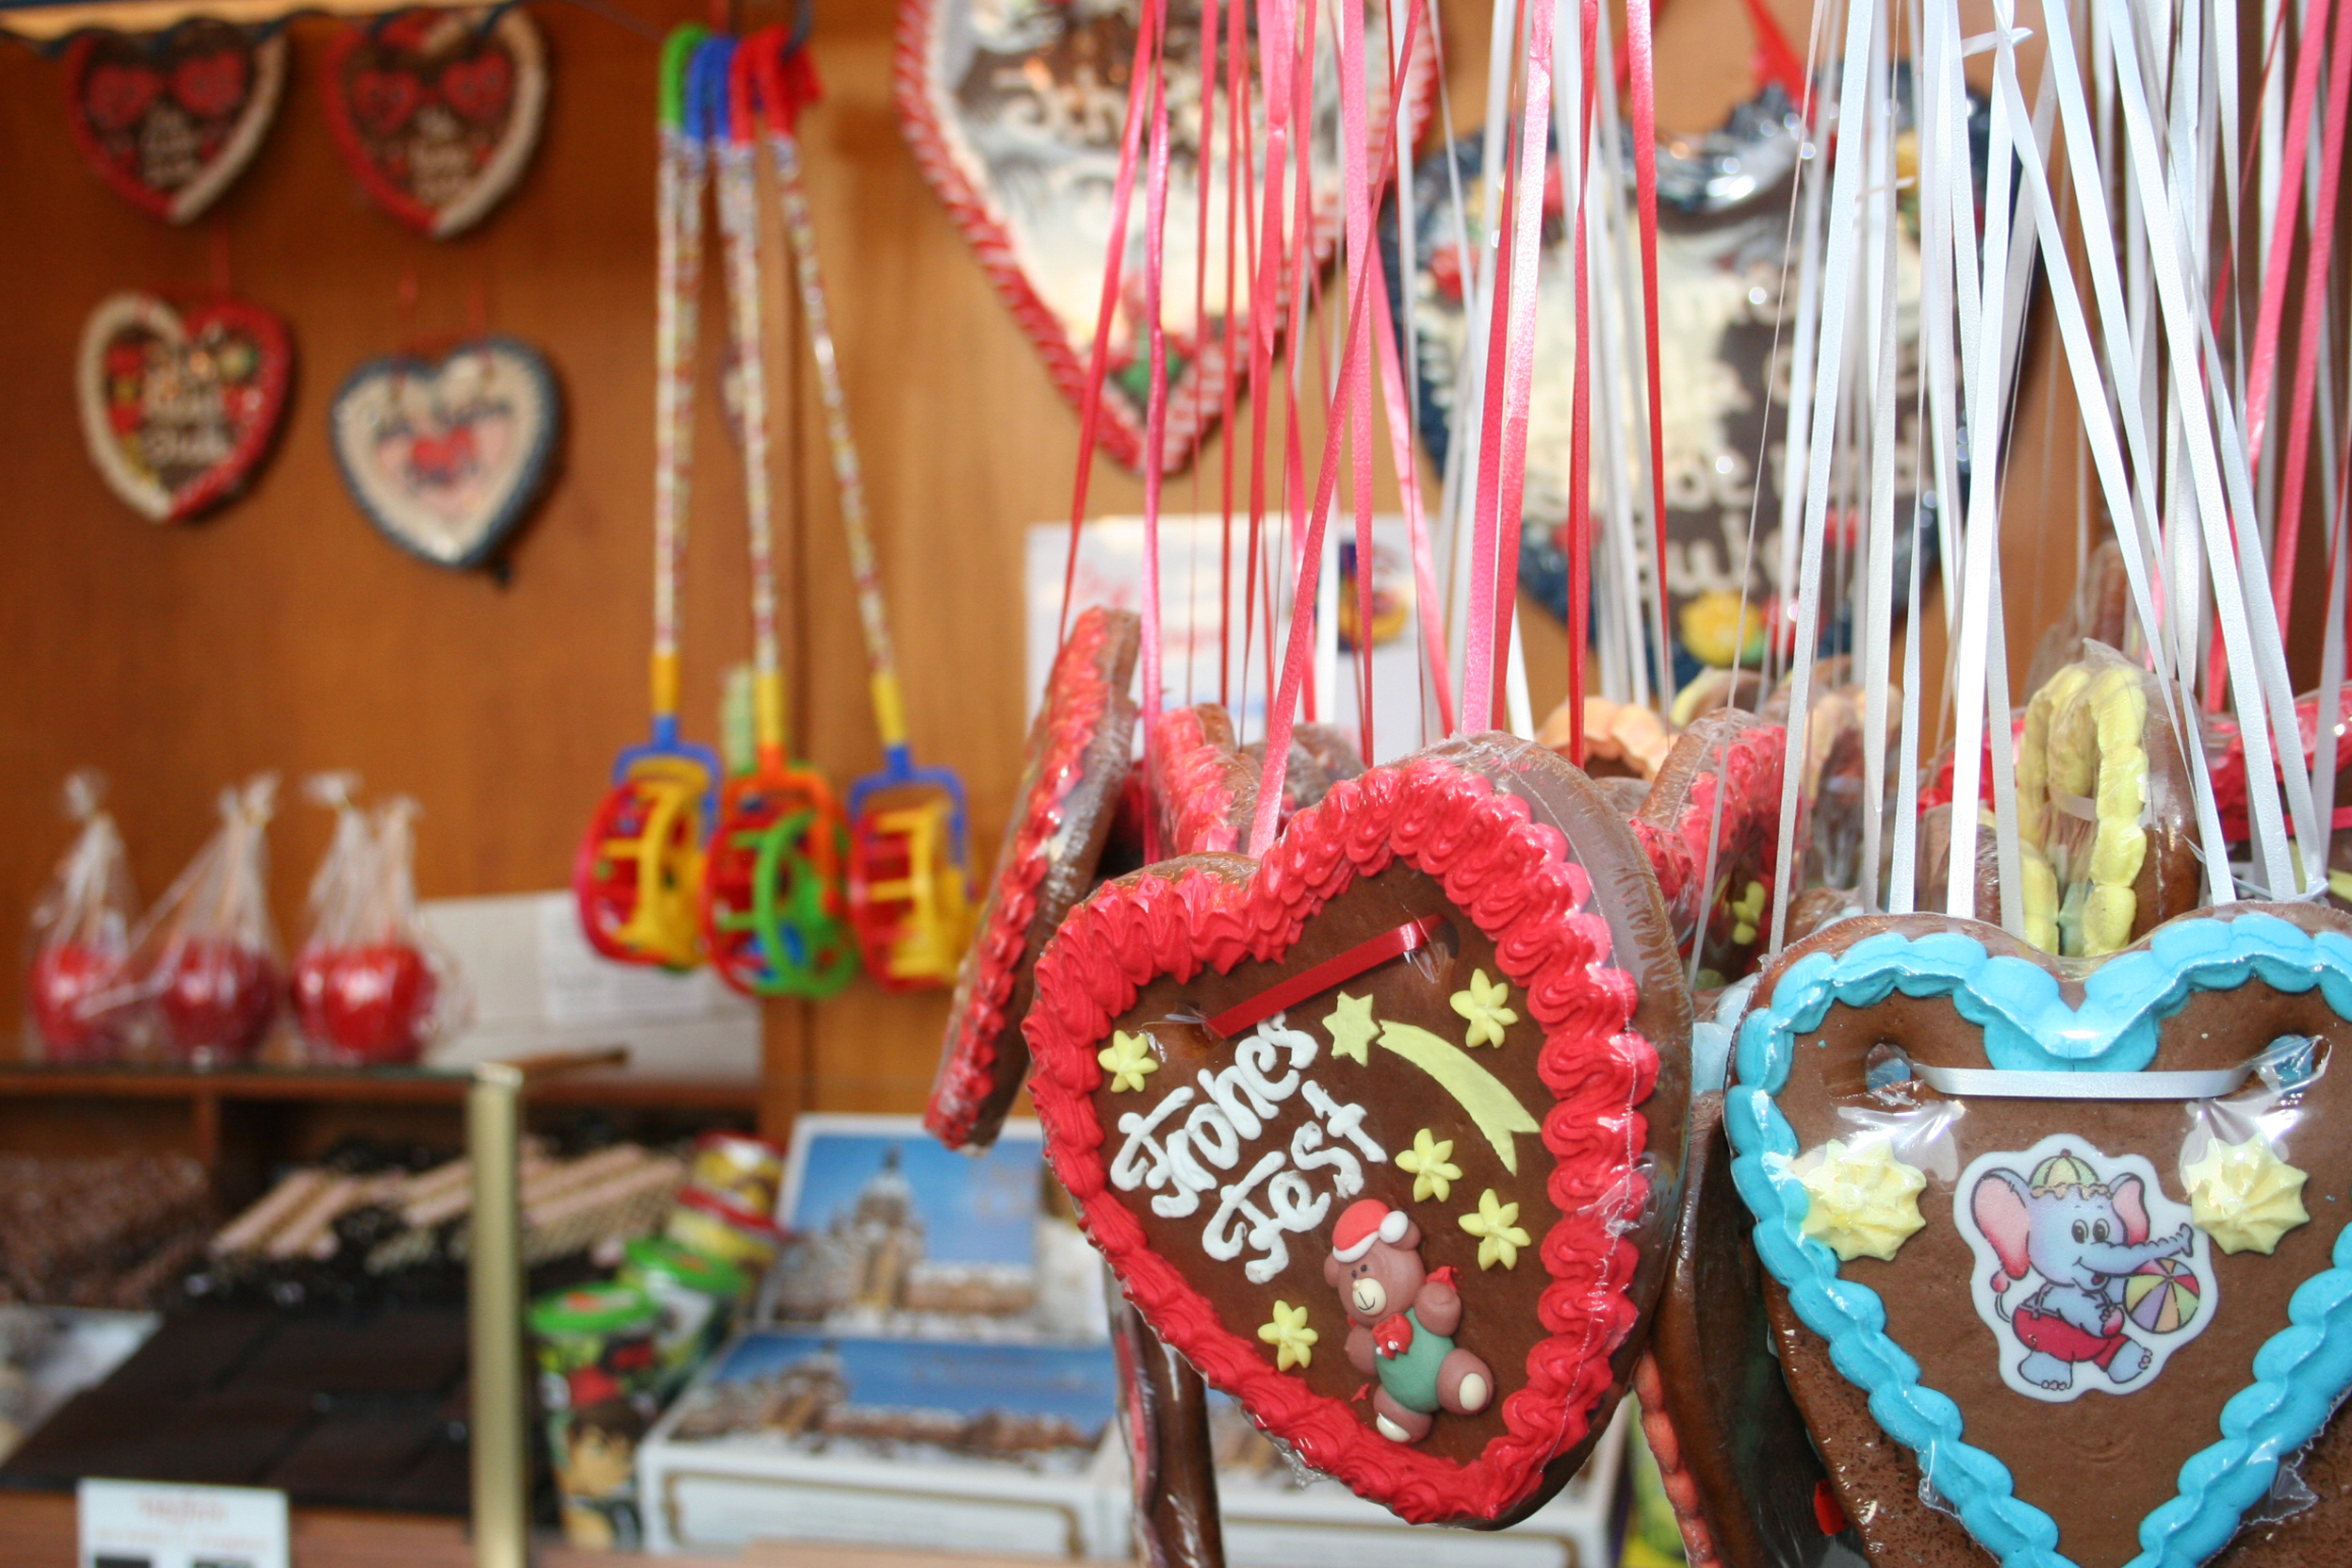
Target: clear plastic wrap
x,y
1321,754
208,962
371,987
81,937
1836,777
2105,826
1205,787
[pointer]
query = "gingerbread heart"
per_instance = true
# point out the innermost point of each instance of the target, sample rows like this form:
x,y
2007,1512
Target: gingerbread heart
x,y
446,455
1385,1133
437,111
2070,1235
178,407
1015,117
1077,763
170,119
1203,787
1716,805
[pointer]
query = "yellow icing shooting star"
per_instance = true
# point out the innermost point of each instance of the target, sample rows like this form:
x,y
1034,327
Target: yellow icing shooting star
x,y
1865,1201
1425,1162
1497,1226
2244,1195
1492,1106
1129,1061
1293,1341
1351,1027
1487,1005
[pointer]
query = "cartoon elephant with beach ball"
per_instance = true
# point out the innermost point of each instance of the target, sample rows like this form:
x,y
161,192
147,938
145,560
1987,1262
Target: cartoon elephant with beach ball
x,y
2084,1236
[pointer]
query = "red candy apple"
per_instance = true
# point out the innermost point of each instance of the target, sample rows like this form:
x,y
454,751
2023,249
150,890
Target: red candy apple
x,y
66,976
219,997
377,1002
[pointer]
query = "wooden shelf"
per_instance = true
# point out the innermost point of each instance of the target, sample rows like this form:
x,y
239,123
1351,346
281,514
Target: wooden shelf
x,y
365,1087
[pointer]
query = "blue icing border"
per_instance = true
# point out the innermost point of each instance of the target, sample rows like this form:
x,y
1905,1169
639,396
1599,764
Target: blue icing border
x,y
2300,1373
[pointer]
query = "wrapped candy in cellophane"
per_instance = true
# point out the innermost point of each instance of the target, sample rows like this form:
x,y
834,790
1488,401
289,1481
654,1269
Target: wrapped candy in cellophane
x,y
81,937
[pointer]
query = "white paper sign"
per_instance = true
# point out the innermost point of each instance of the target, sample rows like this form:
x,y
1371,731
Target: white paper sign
x,y
143,1525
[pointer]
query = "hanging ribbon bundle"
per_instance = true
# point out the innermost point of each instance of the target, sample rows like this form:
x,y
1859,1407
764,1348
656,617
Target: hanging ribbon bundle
x,y
639,866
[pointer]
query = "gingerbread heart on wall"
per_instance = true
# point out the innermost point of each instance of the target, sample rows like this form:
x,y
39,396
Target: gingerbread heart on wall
x,y
1385,1133
445,456
437,111
1015,114
2072,1236
170,119
178,407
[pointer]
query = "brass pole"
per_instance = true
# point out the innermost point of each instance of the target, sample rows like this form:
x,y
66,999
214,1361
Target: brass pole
x,y
494,1278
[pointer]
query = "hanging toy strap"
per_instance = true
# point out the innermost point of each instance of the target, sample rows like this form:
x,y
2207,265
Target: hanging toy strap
x,y
678,221
723,74
786,81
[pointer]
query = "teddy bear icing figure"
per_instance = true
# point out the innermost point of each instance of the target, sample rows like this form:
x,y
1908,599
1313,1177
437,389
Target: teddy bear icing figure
x,y
1402,1320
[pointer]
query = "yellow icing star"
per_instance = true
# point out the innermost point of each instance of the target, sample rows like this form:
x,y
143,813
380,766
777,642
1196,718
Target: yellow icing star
x,y
1497,1227
1425,1162
2244,1195
1351,1027
1865,1201
1487,1005
1128,1060
1293,1341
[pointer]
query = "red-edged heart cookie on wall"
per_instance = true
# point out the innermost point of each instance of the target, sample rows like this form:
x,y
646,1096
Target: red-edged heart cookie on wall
x,y
178,407
1077,762
170,119
1385,1133
437,111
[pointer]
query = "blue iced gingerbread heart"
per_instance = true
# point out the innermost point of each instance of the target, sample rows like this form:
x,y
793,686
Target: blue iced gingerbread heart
x,y
2300,1373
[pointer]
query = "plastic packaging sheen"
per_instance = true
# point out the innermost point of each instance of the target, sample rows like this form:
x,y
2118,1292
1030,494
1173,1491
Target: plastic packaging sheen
x,y
210,978
81,937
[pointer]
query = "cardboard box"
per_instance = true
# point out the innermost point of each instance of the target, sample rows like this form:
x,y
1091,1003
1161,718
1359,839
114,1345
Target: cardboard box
x,y
943,1445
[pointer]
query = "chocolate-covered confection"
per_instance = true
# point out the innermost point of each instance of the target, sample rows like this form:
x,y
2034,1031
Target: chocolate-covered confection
x,y
1322,1115
2099,612
1836,777
1321,754
1687,829
1164,1412
2096,1432
1740,1439
1077,759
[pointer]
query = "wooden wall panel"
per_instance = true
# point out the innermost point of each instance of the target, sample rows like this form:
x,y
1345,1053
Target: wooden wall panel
x,y
284,633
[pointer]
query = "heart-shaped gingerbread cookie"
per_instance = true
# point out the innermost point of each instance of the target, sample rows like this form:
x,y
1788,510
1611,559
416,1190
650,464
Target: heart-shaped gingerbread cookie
x,y
170,119
1383,1133
178,407
1716,803
446,455
2072,1237
1077,762
437,111
1203,787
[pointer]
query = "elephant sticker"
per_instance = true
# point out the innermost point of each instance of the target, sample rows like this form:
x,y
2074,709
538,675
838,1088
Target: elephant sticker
x,y
2087,1274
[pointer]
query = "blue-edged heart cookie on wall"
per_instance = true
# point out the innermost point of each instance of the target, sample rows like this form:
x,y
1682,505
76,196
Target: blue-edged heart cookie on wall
x,y
2074,1237
446,455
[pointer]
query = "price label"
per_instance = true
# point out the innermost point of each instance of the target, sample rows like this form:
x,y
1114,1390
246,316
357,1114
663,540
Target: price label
x,y
145,1524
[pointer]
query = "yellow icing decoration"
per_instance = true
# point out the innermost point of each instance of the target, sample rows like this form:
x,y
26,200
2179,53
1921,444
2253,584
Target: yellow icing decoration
x,y
2083,739
1351,1027
1293,1341
1497,1226
2244,1195
1494,1109
1487,1005
1865,1204
1425,1162
1128,1060
1747,913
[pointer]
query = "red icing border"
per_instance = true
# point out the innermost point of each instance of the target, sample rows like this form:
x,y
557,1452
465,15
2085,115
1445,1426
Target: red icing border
x,y
1192,405
1516,879
397,200
1205,789
1681,1488
1750,772
1078,698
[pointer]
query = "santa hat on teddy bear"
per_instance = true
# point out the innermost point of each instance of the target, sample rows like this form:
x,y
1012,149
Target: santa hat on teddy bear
x,y
1363,1222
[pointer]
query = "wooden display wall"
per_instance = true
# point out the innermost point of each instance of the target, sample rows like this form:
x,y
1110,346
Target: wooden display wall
x,y
284,633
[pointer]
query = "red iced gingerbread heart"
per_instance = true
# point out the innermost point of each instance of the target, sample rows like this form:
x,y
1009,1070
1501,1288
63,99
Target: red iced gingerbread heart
x,y
1077,761
173,153
1715,807
437,112
179,407
1441,1026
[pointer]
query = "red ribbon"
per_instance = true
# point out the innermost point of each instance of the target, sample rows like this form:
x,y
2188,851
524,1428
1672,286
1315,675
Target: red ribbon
x,y
1332,972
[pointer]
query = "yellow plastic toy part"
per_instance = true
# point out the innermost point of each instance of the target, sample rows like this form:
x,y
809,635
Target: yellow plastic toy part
x,y
663,923
936,914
